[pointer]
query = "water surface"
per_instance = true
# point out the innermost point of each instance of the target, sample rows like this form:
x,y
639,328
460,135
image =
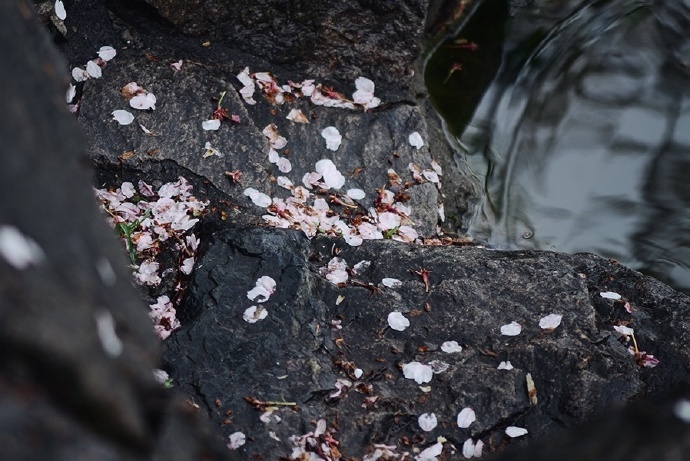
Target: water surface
x,y
582,140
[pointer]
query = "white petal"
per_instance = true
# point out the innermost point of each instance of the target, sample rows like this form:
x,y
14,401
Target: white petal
x,y
416,140
284,165
514,431
451,346
143,101
284,182
610,295
468,449
418,371
18,249
297,116
330,174
466,417
237,439
71,93
624,330
427,421
512,329
397,321
337,276
550,322
210,124
505,365
93,69
364,84
107,53
79,74
431,452
258,198
123,117
60,10
332,137
439,366
358,373
391,283
355,194
253,314
682,410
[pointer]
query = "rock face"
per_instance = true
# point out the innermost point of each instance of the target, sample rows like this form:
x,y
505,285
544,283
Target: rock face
x,y
310,344
76,376
324,372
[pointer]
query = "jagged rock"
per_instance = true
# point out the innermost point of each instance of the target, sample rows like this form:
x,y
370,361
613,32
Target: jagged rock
x,y
309,341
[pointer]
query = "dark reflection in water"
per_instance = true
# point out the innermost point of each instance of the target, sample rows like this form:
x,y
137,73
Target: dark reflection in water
x,y
582,143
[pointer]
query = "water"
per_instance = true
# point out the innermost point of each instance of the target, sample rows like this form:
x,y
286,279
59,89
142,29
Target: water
x,y
581,141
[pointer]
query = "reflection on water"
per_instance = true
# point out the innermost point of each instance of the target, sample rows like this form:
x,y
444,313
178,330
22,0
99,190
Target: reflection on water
x,y
583,140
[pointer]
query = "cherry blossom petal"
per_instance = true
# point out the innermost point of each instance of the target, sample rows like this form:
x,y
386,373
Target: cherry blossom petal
x,y
511,329
450,347
123,117
70,93
107,53
397,321
284,165
550,322
258,198
427,421
337,276
416,140
355,194
391,282
80,75
284,182
505,365
237,439
93,69
610,295
514,431
187,266
330,174
466,417
418,371
431,452
332,137
297,116
143,101
253,314
439,366
472,450
682,410
209,125
627,331
60,10
19,250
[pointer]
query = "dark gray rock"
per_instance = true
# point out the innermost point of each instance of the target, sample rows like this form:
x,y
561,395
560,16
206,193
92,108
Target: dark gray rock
x,y
296,355
68,389
333,40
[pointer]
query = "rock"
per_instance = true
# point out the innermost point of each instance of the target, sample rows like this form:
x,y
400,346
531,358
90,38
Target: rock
x,y
309,344
78,353
338,41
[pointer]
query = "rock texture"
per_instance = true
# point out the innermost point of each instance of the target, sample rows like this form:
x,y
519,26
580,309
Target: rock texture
x,y
310,343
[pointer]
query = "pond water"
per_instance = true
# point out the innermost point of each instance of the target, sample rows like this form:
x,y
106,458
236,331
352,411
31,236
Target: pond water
x,y
579,133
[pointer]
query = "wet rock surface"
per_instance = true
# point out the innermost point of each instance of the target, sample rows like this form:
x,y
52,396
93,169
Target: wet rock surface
x,y
324,362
